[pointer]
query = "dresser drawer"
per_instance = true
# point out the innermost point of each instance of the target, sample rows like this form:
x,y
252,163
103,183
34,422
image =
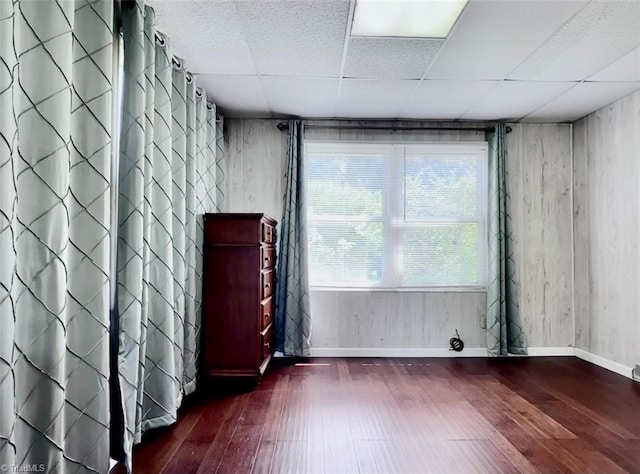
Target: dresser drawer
x,y
268,257
232,231
267,307
268,281
268,233
266,338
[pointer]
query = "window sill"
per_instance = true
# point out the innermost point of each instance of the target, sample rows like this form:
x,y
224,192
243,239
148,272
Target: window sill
x,y
429,289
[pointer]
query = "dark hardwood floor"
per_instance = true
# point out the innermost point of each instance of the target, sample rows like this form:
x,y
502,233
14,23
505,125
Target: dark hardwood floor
x,y
408,416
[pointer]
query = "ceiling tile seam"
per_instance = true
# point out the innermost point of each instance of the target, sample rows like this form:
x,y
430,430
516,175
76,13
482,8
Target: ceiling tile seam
x,y
345,49
426,39
611,63
383,78
413,93
244,27
444,43
588,81
278,76
223,75
576,84
499,82
548,38
543,81
294,76
410,94
479,101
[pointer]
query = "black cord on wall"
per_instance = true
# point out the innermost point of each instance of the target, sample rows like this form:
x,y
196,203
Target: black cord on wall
x,y
456,343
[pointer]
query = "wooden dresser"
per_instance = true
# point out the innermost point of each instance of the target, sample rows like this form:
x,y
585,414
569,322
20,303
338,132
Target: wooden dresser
x,y
238,294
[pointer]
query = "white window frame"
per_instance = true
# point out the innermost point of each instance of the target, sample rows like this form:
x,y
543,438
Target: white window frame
x,y
392,226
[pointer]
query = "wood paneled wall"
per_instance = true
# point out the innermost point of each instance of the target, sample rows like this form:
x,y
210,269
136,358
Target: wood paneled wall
x,y
396,319
540,180
254,168
606,231
539,167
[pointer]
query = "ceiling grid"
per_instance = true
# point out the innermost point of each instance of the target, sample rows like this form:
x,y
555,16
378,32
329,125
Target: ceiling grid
x,y
533,61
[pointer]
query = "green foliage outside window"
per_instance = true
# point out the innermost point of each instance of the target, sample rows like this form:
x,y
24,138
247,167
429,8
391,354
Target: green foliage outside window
x,y
435,235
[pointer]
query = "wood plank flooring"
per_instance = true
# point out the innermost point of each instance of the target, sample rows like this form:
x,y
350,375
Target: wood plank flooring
x,y
408,416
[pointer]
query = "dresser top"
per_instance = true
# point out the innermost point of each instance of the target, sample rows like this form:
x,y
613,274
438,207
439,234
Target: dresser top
x,y
232,215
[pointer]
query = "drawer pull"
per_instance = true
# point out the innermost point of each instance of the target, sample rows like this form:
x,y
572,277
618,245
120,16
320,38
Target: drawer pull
x,y
267,345
267,285
267,233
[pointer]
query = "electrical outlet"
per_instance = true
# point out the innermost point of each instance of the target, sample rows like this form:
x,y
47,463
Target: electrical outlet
x,y
636,373
483,323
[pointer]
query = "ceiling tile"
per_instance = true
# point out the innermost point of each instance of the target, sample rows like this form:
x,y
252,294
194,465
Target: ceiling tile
x,y
301,96
581,100
238,47
586,44
207,35
511,100
296,37
236,96
361,98
627,68
446,100
389,58
492,37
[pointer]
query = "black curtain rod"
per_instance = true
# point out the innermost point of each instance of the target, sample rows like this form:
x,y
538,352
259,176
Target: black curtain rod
x,y
285,126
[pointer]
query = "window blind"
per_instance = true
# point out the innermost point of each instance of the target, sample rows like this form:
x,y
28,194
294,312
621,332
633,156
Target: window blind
x,y
396,215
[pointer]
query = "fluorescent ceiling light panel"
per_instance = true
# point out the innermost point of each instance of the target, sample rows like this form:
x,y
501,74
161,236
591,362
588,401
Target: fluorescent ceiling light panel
x,y
406,18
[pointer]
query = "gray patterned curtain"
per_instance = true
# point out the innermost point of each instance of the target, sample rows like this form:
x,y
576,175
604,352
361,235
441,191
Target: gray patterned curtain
x,y
219,161
293,315
504,328
167,181
55,160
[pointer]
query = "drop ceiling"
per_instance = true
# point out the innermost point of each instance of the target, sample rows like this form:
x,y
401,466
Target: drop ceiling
x,y
516,60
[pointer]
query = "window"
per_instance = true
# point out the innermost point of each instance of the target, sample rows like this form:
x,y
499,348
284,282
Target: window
x,y
397,215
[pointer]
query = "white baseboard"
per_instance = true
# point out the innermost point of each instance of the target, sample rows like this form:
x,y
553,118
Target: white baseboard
x,y
395,352
604,363
428,352
468,352
550,351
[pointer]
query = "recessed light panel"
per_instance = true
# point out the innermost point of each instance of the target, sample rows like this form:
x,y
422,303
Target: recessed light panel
x,y
406,18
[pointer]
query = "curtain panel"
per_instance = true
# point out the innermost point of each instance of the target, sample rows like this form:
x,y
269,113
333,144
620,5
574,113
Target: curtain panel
x,y
504,328
167,181
293,312
55,160
219,161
